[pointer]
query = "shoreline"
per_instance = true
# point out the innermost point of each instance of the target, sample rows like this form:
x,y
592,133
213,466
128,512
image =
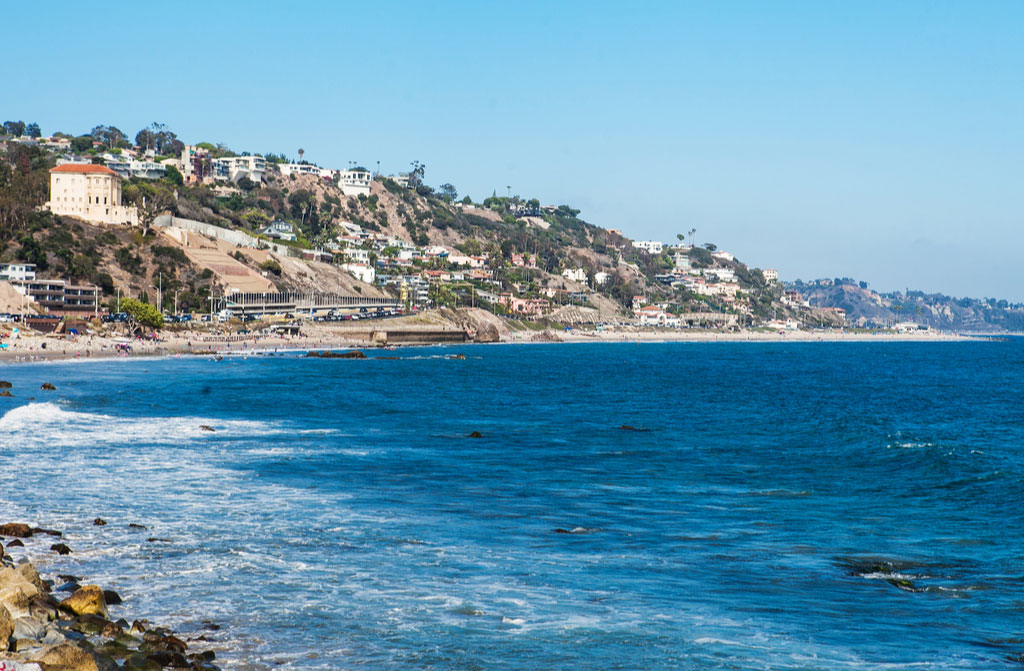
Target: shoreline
x,y
29,348
61,622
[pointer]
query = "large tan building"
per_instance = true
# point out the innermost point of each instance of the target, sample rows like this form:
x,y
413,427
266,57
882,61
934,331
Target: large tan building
x,y
89,192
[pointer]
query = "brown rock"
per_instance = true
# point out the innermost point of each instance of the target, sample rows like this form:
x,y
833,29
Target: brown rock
x,y
65,657
16,543
28,572
61,549
48,387
169,658
111,597
16,529
4,384
476,434
99,522
6,626
87,600
6,393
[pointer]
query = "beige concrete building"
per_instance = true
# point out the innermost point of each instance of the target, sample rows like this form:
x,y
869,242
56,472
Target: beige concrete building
x,y
89,192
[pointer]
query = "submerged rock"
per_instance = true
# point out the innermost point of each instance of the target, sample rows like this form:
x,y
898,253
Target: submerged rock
x,y
61,548
4,384
627,427
87,600
133,525
48,387
206,427
99,522
476,434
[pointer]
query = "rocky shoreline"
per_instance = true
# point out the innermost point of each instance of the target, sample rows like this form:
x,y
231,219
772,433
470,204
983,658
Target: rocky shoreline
x,y
63,624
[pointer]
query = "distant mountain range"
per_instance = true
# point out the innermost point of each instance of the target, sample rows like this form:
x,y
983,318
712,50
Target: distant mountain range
x,y
865,307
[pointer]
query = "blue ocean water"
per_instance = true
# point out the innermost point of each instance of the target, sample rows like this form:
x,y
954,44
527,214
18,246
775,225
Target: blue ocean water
x,y
778,506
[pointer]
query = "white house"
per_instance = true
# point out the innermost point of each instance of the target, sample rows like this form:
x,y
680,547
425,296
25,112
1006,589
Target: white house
x,y
649,246
22,272
89,192
358,255
575,274
355,182
288,169
361,271
770,275
723,274
234,168
723,256
681,261
279,230
601,278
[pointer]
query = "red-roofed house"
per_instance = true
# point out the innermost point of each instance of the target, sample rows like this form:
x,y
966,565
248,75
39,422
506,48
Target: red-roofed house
x,y
90,192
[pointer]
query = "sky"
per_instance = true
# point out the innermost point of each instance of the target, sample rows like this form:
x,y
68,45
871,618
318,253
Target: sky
x,y
875,140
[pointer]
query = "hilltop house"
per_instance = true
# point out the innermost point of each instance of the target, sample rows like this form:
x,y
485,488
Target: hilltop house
x,y
649,246
279,230
575,274
17,271
89,192
355,182
234,168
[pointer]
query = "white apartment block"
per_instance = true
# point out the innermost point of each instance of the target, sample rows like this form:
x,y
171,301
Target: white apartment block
x,y
649,246
723,256
355,182
89,192
770,275
234,168
20,272
288,169
575,274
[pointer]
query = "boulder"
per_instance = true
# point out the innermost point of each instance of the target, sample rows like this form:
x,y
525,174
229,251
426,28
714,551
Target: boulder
x,y
172,659
15,591
4,384
488,333
29,627
65,657
99,522
87,600
135,526
6,626
140,662
206,427
48,532
28,572
16,529
111,597
48,387
16,543
476,434
6,393
61,549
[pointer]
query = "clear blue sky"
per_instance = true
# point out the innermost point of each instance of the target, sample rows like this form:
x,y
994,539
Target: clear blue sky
x,y
877,140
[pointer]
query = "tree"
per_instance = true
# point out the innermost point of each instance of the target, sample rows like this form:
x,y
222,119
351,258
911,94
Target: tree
x,y
174,175
32,130
157,137
416,174
15,128
710,246
448,192
141,314
467,201
301,153
108,135
82,143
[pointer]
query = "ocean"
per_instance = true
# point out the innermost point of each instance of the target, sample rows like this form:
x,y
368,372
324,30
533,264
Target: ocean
x,y
655,506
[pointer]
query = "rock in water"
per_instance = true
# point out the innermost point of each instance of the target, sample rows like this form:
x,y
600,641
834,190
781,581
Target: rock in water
x,y
6,393
61,549
99,522
48,387
16,529
65,657
4,384
476,434
352,354
87,600
206,427
16,543
111,597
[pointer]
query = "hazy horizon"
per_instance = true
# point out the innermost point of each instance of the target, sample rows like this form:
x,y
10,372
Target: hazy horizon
x,y
870,141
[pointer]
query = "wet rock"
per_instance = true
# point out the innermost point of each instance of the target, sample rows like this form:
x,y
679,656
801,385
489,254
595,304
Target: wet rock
x,y
69,587
461,357
44,606
111,630
137,628
90,625
111,597
67,577
627,427
136,526
61,549
114,649
154,539
16,529
53,636
4,384
210,626
99,522
65,657
562,531
476,434
15,591
6,393
328,354
140,662
87,600
155,640
16,543
166,658
48,532
48,387
206,427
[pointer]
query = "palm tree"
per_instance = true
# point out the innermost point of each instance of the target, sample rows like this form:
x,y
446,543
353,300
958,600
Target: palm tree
x,y
692,231
301,152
